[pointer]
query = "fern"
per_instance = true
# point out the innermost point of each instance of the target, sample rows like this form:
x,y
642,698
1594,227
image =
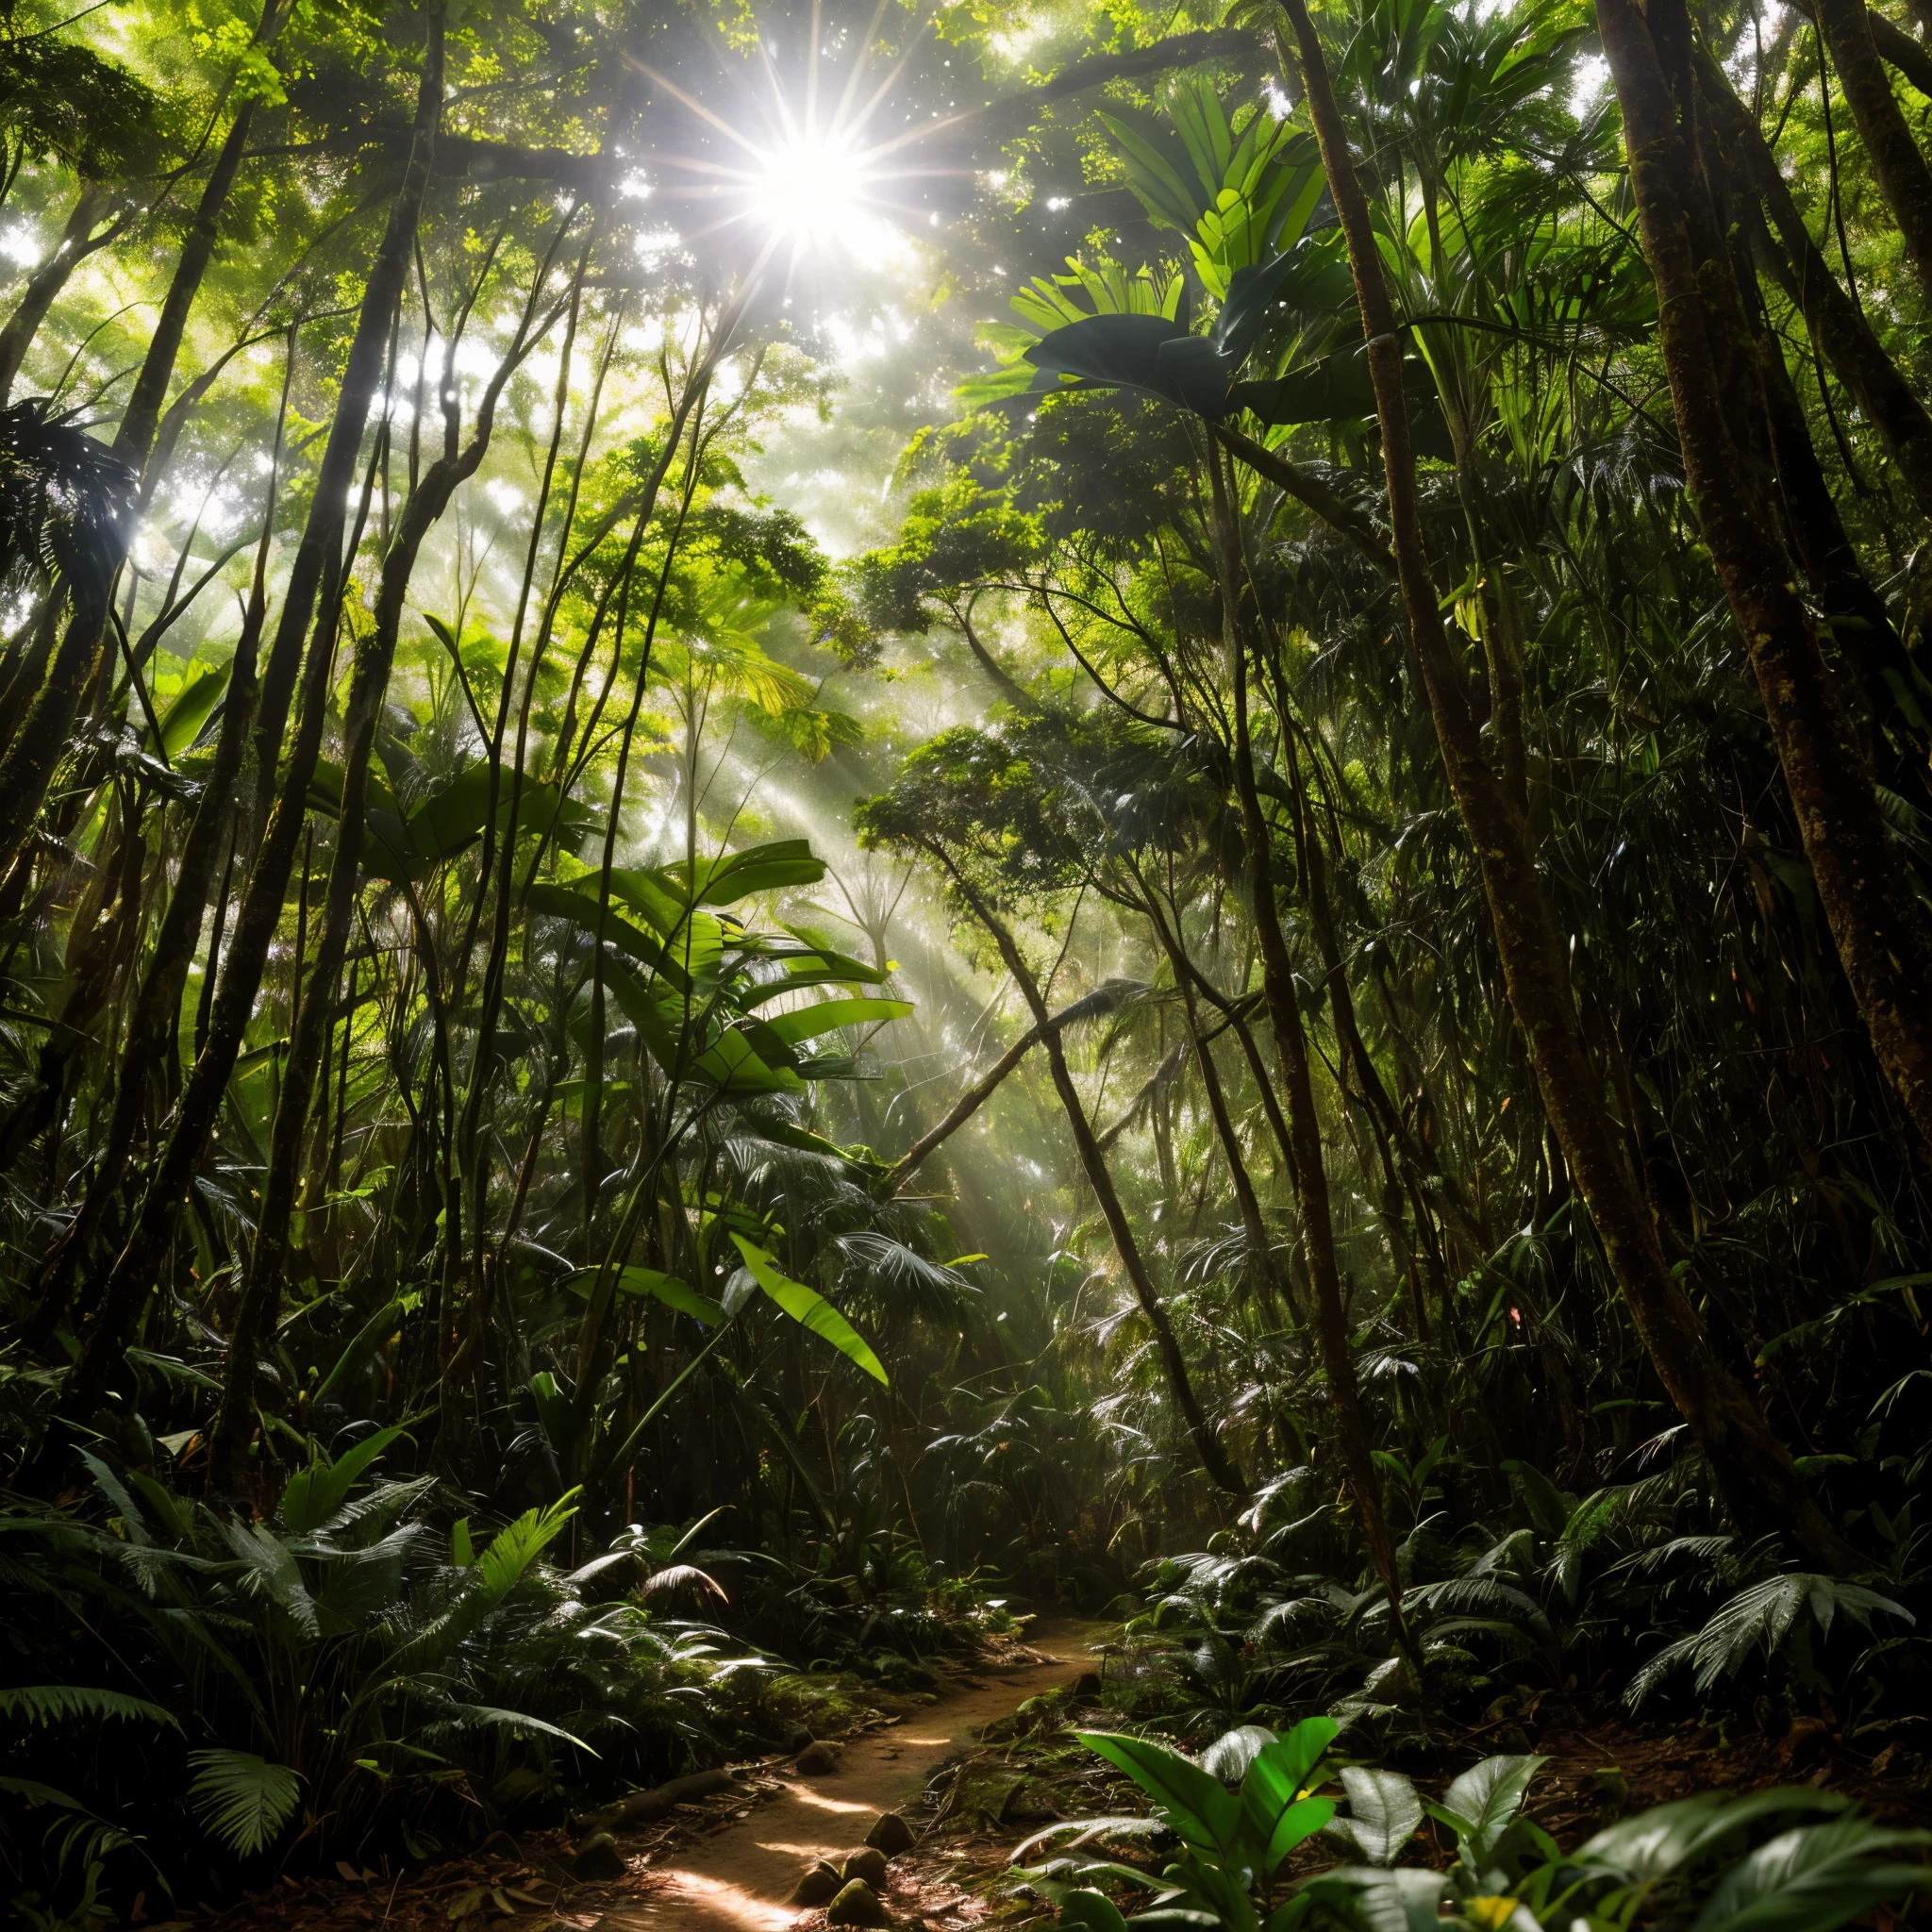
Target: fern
x,y
245,1800
47,1704
1759,1618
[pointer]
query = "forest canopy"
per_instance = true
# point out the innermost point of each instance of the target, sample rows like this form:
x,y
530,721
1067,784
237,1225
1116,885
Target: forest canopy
x,y
816,819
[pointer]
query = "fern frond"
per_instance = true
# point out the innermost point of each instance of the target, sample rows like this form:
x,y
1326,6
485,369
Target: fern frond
x,y
47,1704
245,1800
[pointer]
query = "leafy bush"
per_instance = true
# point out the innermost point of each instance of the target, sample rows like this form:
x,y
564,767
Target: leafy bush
x,y
1508,1872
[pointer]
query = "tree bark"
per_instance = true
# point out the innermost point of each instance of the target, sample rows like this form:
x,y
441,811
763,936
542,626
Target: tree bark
x,y
77,241
1308,1170
1882,937
1752,1468
1897,164
319,571
1208,1446
1837,323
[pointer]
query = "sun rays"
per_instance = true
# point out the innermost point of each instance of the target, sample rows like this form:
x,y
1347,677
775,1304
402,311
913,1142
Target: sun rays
x,y
807,176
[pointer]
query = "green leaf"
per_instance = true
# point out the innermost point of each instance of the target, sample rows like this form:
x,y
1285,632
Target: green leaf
x,y
1402,1900
360,1346
49,1704
805,1305
1667,1837
191,709
1198,1806
807,1023
1383,1812
515,1547
1814,1878
315,1493
759,869
1093,1910
557,1410
1273,1812
245,1800
649,1283
1550,1509
1487,1796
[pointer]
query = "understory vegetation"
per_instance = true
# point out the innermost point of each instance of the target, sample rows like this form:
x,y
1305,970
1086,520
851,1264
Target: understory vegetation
x,y
816,826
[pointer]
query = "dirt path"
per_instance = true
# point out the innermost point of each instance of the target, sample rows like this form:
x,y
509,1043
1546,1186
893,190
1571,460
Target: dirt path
x,y
738,1879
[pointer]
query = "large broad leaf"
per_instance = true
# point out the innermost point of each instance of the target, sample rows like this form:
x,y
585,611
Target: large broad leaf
x,y
1198,1806
1667,1837
650,1283
807,1023
1482,1804
1093,1910
191,709
1814,1878
315,1493
1117,351
1383,1812
557,1410
582,909
805,1305
760,869
1402,1900
244,1799
1231,1753
1275,1815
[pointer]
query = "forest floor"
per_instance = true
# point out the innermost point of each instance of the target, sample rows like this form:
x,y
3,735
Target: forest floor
x,y
978,1767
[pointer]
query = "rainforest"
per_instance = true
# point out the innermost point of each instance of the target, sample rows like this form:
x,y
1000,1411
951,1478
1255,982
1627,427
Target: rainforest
x,y
1006,926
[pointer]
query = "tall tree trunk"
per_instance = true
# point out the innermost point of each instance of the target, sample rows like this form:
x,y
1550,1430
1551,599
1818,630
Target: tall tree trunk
x,y
1207,1445
1882,935
1897,164
79,240
1307,1168
1837,323
1752,1467
154,1025
319,573
159,998
368,687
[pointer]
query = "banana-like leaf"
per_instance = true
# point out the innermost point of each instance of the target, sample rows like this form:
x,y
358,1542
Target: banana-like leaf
x,y
649,1283
191,707
809,1307
1199,1808
807,1023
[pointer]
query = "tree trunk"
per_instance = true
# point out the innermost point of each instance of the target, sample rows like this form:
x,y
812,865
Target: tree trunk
x,y
319,569
77,241
368,687
1207,1445
1882,937
1752,1468
1897,164
1837,323
1306,1167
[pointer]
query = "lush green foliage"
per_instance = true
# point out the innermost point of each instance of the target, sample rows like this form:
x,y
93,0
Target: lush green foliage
x,y
531,781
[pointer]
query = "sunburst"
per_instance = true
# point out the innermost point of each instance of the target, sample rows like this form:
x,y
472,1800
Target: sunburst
x,y
816,190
